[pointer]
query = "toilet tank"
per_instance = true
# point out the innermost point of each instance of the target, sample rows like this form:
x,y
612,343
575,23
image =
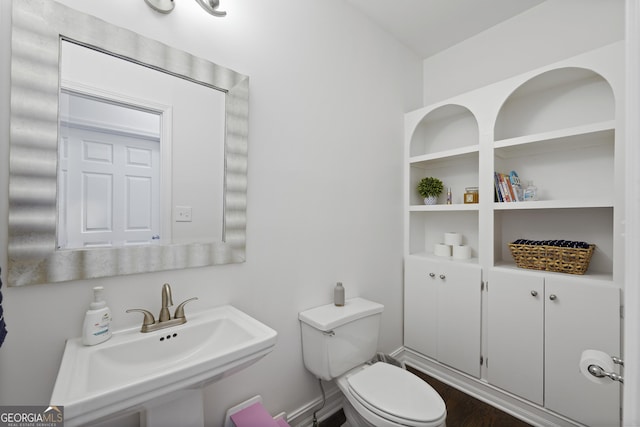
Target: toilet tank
x,y
337,339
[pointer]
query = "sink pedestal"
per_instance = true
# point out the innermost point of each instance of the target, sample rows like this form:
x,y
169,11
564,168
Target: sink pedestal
x,y
183,408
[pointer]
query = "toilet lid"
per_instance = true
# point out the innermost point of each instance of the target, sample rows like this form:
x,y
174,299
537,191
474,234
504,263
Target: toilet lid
x,y
392,392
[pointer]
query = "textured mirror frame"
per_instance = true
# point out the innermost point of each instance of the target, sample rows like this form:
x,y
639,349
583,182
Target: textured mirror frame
x,y
37,29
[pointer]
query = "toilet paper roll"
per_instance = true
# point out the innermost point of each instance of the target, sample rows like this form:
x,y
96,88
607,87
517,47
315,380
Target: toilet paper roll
x,y
440,249
599,358
453,239
462,252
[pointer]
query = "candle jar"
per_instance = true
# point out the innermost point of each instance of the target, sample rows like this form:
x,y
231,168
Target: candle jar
x,y
471,195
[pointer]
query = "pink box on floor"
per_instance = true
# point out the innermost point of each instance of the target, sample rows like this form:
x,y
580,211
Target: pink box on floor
x,y
256,415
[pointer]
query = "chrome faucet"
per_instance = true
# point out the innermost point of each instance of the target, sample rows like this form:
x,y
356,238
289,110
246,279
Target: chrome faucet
x,y
149,323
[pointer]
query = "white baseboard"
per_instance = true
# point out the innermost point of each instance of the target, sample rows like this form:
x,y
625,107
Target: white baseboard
x,y
485,392
479,389
303,416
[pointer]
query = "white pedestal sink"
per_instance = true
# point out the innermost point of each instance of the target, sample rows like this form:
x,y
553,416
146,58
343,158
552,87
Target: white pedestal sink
x,y
151,370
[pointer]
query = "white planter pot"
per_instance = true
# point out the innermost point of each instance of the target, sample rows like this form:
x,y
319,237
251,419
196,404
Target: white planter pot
x,y
431,200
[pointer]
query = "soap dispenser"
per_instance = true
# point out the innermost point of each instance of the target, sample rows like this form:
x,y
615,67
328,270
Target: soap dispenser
x,y
97,320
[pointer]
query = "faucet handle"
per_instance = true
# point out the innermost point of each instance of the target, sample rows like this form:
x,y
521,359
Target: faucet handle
x,y
148,316
179,314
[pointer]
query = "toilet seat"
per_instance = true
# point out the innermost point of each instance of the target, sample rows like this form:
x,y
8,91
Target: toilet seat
x,y
397,395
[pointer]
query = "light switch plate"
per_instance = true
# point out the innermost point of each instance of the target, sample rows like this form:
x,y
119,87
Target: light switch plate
x,y
182,214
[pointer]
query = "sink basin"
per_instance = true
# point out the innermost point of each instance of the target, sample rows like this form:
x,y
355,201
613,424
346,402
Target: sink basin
x,y
133,368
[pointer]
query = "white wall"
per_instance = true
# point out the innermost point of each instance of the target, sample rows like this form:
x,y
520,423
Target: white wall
x,y
328,93
550,32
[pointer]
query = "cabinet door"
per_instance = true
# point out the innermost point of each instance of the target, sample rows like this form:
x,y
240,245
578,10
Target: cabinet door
x,y
420,302
580,315
516,328
459,302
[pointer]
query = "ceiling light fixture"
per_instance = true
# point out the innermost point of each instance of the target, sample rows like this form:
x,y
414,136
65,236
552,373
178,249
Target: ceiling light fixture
x,y
166,6
210,6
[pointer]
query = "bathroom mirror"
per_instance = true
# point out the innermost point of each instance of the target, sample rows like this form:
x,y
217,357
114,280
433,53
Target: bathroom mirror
x,y
39,29
121,179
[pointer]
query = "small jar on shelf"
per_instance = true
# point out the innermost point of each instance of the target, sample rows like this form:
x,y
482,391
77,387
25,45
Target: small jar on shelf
x,y
530,193
471,195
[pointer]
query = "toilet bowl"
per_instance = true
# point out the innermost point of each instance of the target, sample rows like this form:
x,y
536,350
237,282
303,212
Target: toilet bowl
x,y
383,395
338,343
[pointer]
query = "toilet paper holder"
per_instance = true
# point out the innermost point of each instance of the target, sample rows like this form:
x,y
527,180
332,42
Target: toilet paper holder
x,y
598,372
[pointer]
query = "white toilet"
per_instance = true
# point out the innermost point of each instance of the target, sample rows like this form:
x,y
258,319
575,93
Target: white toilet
x,y
337,343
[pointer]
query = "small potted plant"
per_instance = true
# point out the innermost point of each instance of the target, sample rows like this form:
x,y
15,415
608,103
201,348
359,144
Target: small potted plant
x,y
430,188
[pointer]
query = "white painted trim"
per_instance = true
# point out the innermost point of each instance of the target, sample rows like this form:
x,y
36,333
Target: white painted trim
x,y
479,389
303,416
631,402
166,142
485,392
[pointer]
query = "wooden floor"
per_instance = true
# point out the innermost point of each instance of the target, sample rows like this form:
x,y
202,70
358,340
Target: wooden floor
x,y
462,410
465,411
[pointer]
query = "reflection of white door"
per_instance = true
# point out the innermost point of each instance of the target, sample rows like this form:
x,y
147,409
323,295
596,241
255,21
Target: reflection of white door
x,y
111,184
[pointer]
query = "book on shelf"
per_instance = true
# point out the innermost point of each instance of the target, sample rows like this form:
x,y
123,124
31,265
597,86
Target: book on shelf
x,y
496,184
507,187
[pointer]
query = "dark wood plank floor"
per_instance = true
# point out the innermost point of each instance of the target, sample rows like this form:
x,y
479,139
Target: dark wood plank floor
x,y
462,410
466,411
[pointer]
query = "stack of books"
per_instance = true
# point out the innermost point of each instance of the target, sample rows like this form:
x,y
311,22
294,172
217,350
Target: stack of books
x,y
508,187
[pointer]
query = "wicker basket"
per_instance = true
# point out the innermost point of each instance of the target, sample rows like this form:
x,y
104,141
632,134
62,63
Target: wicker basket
x,y
552,258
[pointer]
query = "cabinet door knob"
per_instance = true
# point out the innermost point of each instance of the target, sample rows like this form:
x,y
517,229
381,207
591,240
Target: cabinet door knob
x,y
432,274
553,297
442,276
534,293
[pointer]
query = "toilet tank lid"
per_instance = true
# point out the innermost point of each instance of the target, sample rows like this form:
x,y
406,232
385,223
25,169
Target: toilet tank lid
x,y
327,317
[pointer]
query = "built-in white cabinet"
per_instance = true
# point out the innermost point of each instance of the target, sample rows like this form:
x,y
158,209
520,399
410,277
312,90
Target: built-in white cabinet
x,y
557,130
539,324
444,143
516,334
442,309
580,315
558,127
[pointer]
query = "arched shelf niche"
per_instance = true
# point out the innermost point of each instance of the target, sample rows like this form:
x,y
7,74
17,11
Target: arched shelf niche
x,y
557,130
445,128
557,99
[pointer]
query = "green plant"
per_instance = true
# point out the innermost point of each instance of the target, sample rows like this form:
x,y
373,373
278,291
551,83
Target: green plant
x,y
430,186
